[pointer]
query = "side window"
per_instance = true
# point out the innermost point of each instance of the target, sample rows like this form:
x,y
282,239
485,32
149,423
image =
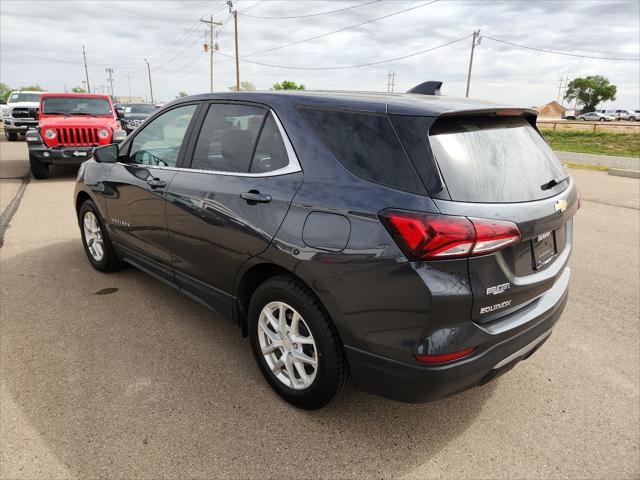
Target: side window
x,y
366,144
159,141
228,137
271,153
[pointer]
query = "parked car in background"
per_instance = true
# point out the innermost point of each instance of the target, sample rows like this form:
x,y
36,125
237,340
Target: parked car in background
x,y
402,241
596,116
70,126
625,114
20,113
133,114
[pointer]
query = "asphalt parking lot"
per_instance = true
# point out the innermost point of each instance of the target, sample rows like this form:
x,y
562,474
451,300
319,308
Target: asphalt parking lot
x,y
143,382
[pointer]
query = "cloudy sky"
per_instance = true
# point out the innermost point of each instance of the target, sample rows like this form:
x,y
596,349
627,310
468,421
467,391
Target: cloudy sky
x,y
41,42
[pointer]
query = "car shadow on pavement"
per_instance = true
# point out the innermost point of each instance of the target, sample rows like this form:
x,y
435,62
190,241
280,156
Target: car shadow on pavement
x,y
119,375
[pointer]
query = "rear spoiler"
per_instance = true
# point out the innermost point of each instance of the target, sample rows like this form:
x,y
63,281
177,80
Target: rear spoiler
x,y
427,88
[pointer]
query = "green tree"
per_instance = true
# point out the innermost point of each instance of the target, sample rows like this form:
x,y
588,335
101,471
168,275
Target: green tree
x,y
78,89
287,85
245,86
5,91
590,91
182,94
33,88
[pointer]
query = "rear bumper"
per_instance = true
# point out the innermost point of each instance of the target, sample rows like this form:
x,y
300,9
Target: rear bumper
x,y
60,155
504,343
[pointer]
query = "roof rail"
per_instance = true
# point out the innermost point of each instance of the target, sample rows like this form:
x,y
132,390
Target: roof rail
x,y
427,88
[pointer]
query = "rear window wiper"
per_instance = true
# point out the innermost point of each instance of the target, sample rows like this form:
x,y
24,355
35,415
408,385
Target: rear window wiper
x,y
554,181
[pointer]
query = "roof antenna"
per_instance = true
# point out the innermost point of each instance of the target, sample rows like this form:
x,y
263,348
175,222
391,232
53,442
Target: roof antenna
x,y
427,88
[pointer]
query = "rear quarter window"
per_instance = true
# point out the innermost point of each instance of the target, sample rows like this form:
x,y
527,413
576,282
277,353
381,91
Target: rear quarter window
x,y
366,144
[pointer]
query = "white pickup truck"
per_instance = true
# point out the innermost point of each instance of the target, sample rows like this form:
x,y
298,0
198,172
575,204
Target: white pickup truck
x,y
20,113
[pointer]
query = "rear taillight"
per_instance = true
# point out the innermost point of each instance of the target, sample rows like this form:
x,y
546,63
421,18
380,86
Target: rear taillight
x,y
433,236
445,357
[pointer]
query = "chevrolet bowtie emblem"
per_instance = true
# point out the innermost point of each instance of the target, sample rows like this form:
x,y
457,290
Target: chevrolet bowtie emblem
x,y
561,206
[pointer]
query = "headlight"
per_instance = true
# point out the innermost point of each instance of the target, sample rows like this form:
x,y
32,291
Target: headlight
x,y
50,133
103,133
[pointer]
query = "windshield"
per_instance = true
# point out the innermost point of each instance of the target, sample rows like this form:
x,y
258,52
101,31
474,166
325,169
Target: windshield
x,y
494,160
139,108
76,106
24,97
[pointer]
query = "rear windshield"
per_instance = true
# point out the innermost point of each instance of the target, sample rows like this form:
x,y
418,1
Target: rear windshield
x,y
494,160
366,144
75,106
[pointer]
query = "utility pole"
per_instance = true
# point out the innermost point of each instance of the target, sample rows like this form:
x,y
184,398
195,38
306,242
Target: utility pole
x,y
474,43
86,70
566,84
211,23
150,84
235,24
109,71
391,81
129,80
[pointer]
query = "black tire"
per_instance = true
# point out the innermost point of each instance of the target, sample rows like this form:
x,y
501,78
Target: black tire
x,y
601,120
332,376
110,260
39,169
632,119
11,136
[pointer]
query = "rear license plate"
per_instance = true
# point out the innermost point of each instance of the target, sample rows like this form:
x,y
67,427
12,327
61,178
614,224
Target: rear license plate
x,y
544,249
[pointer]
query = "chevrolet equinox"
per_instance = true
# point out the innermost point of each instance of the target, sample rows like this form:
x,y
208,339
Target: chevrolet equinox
x,y
415,245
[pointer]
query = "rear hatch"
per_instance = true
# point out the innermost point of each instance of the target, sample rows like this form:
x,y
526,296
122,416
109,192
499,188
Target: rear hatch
x,y
497,167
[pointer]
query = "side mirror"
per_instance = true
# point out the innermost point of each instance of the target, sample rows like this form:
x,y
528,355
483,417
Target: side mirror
x,y
120,113
106,153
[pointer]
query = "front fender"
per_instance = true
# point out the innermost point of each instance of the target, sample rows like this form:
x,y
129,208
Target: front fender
x,y
92,182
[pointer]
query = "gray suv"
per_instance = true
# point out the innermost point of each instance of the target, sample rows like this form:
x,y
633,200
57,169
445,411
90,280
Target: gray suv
x,y
414,245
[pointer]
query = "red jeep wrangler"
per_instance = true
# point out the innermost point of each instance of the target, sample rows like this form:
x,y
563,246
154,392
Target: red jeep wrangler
x,y
70,125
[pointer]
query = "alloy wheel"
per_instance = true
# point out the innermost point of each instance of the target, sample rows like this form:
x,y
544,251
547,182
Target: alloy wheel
x,y
287,345
93,236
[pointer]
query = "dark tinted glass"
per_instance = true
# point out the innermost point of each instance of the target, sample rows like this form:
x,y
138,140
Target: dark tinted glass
x,y
494,160
367,145
227,138
271,153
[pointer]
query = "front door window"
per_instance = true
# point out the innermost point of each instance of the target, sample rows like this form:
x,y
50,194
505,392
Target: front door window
x,y
158,142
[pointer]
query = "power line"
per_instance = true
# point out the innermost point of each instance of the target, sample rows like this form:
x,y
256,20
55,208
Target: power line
x,y
566,54
312,14
190,30
251,6
341,29
378,62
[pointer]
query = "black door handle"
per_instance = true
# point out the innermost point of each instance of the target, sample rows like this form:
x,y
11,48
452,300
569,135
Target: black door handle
x,y
156,183
253,196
